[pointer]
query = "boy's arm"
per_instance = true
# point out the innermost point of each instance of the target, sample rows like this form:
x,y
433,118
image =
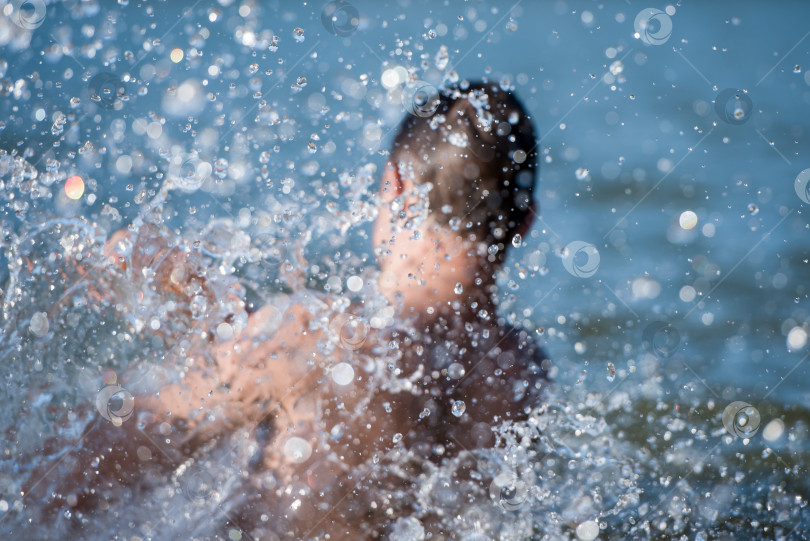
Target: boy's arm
x,y
238,381
228,384
227,380
254,374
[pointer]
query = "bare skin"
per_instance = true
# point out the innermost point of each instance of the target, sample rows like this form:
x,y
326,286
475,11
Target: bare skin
x,y
274,378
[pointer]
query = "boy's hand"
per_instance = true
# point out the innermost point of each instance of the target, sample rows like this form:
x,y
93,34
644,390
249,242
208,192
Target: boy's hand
x,y
155,264
152,254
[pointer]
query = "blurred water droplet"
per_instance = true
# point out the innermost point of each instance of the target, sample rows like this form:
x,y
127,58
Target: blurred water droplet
x,y
797,69
354,283
224,331
753,209
39,324
297,450
397,438
588,531
456,371
442,58
343,374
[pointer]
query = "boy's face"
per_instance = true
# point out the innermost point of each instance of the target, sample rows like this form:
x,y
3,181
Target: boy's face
x,y
400,252
389,232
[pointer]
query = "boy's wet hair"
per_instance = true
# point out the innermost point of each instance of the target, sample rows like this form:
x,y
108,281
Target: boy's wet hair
x,y
478,152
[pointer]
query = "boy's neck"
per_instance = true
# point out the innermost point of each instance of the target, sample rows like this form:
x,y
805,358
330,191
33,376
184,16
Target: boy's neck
x,y
440,277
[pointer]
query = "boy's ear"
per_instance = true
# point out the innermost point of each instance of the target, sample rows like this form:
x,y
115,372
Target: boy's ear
x,y
524,227
390,183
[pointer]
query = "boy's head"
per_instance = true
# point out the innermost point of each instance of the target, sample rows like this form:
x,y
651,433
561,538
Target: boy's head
x,y
477,152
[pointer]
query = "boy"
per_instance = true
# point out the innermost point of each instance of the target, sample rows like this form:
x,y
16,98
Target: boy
x,y
331,398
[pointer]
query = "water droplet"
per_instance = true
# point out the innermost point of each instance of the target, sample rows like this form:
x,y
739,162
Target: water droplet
x,y
459,289
797,69
221,168
458,408
456,371
611,372
397,438
588,531
516,240
753,209
354,283
297,450
442,57
298,35
74,187
582,174
343,373
224,331
688,219
39,324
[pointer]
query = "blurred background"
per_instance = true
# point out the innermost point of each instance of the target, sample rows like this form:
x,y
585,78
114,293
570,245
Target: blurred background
x,y
666,273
